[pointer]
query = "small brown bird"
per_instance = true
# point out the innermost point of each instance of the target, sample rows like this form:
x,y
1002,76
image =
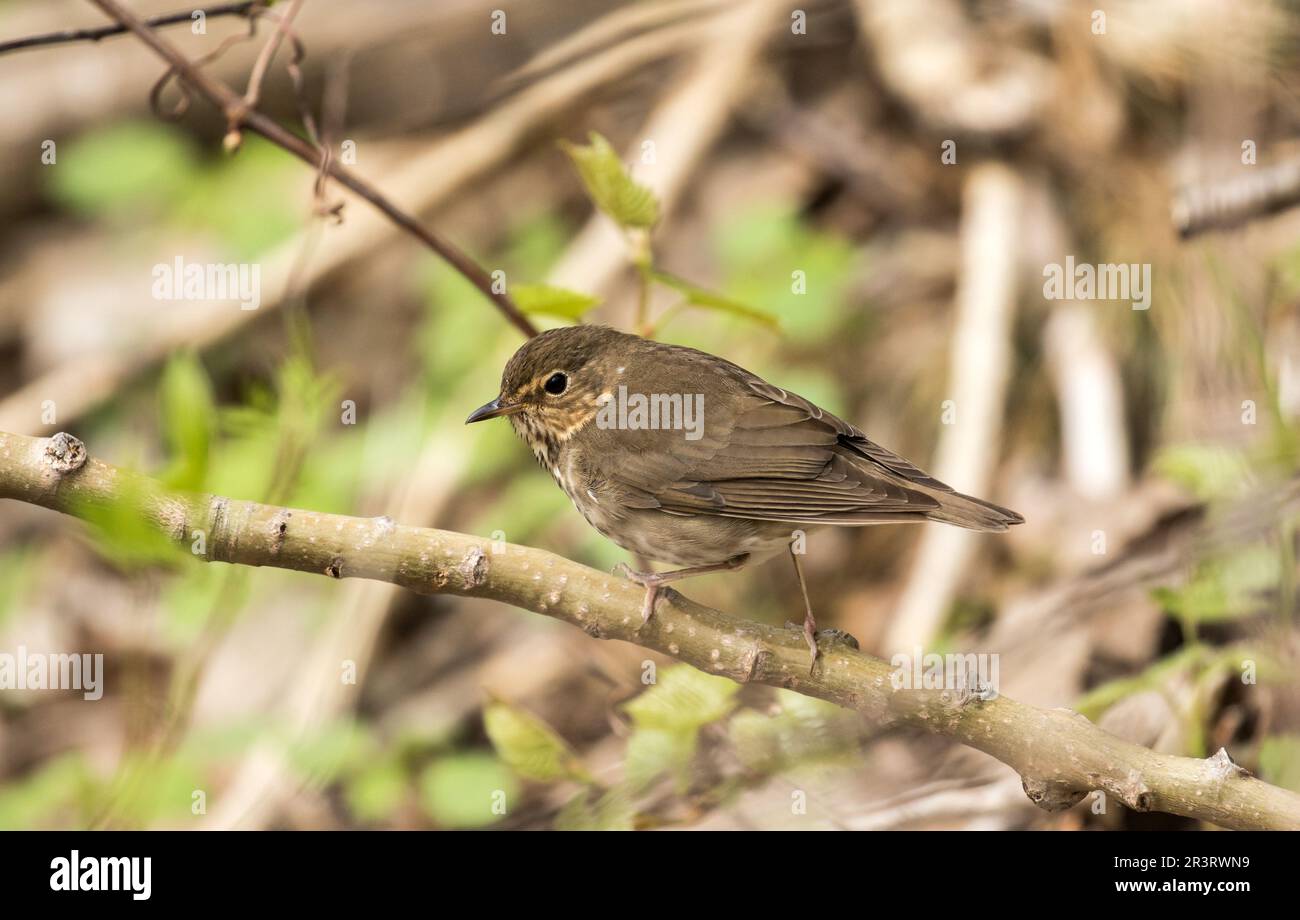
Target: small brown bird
x,y
682,457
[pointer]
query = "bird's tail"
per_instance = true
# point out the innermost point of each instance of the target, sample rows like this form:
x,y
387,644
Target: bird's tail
x,y
971,513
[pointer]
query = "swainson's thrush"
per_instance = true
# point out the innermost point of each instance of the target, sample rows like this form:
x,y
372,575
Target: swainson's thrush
x,y
685,458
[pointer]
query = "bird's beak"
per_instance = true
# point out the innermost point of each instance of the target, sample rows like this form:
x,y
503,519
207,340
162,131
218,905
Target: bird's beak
x,y
495,409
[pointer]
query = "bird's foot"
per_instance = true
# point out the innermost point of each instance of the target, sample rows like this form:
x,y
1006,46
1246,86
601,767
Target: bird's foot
x,y
651,581
813,636
838,637
810,636
808,630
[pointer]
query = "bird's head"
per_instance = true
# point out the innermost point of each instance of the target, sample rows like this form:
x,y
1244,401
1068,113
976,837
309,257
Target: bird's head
x,y
552,385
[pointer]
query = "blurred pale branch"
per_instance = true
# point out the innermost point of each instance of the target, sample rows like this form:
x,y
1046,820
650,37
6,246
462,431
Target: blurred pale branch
x,y
240,115
1060,755
1232,202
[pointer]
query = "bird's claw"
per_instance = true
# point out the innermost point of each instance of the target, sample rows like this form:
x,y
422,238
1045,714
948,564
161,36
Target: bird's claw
x,y
809,636
814,636
650,581
651,599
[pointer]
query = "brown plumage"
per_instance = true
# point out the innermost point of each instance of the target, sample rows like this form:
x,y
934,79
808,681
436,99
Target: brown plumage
x,y
711,489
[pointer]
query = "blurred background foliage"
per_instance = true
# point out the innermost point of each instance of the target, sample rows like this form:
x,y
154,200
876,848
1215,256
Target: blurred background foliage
x,y
823,158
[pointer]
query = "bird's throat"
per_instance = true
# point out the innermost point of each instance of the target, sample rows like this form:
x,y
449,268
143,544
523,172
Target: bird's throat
x,y
543,442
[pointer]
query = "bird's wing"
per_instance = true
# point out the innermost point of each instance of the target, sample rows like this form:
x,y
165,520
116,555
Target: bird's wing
x,y
771,455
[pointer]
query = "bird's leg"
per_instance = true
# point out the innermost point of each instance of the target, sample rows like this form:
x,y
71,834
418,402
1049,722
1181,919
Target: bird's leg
x,y
809,624
653,581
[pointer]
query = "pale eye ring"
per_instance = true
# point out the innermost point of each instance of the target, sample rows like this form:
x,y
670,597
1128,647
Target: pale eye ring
x,y
556,384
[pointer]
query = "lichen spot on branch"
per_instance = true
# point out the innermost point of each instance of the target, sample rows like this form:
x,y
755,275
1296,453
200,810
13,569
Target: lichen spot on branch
x,y
474,567
64,453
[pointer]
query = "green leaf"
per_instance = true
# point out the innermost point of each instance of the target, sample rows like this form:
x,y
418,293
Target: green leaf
x,y
194,595
270,426
247,203
588,811
20,569
761,246
528,505
188,418
552,301
1225,589
1208,471
802,730
529,746
460,791
60,792
121,530
127,169
684,699
535,242
667,719
1096,701
151,788
377,791
612,190
652,752
1279,761
448,326
333,749
701,297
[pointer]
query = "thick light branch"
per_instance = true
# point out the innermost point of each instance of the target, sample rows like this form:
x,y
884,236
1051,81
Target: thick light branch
x,y
1060,755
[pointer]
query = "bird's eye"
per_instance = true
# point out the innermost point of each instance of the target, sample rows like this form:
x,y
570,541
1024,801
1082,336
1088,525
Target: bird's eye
x,y
556,384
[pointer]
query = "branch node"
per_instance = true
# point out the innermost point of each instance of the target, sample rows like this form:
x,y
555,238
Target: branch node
x,y
474,567
1051,796
975,692
335,568
1135,793
1223,767
218,514
64,453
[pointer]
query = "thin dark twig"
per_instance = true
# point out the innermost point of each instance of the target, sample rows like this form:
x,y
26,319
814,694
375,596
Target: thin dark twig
x,y
316,134
333,112
183,104
299,90
177,112
93,35
238,113
253,94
